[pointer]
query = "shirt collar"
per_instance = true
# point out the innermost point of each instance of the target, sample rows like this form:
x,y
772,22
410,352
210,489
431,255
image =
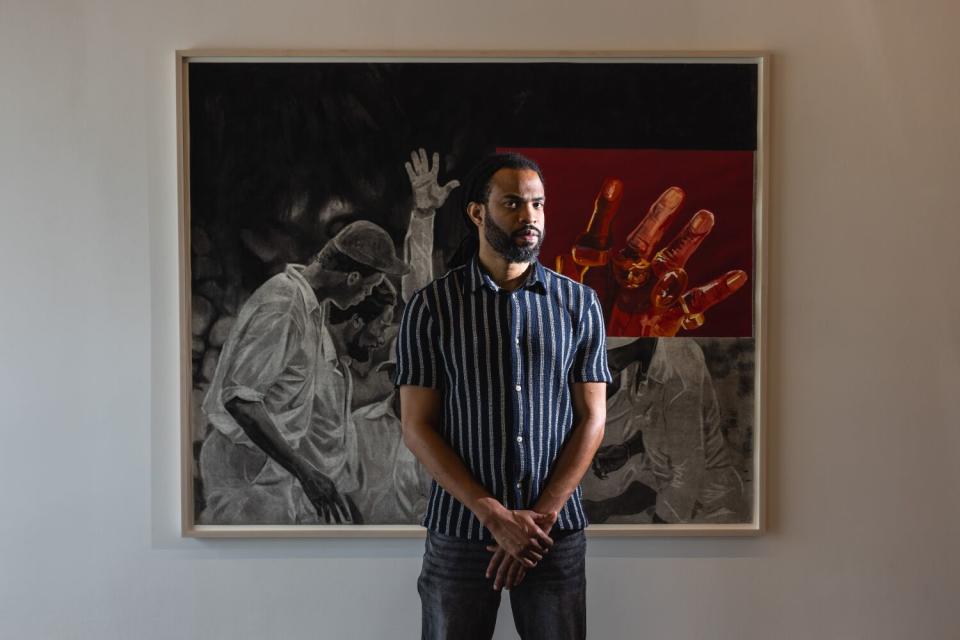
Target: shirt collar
x,y
295,273
478,277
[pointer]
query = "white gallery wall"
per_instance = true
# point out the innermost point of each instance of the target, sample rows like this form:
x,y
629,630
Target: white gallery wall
x,y
864,311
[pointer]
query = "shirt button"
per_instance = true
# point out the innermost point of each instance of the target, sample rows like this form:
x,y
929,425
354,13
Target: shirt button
x,y
517,387
519,485
517,340
519,438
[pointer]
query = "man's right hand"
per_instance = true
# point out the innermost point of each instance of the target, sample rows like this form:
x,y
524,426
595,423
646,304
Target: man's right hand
x,y
520,533
323,494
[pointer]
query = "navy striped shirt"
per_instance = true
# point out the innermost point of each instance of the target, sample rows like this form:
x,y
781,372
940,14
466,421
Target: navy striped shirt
x,y
504,362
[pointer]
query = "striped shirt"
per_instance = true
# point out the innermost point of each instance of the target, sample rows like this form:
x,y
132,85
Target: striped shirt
x,y
504,362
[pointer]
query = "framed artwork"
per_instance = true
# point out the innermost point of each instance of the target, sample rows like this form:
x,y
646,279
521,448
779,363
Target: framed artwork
x,y
656,179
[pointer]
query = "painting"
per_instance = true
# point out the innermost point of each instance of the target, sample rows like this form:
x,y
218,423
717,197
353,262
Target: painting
x,y
319,191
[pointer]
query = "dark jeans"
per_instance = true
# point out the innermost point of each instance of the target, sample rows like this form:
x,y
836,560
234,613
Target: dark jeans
x,y
459,603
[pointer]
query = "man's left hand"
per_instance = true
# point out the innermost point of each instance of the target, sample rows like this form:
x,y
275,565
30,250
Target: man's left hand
x,y
428,195
505,570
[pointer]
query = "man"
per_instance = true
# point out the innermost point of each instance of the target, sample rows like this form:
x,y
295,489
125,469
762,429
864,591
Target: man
x,y
391,488
501,366
283,449
666,451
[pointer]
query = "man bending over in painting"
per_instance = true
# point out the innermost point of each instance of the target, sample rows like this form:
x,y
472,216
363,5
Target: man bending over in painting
x,y
284,449
664,447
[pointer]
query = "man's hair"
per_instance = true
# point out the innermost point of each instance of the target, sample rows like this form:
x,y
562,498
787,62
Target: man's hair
x,y
476,188
477,183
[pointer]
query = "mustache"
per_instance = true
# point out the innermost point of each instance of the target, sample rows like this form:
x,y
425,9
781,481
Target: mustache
x,y
527,229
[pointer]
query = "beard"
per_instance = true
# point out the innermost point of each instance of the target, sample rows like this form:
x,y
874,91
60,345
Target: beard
x,y
358,352
504,244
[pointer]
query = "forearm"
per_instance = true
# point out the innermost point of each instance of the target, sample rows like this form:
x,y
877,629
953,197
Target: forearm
x,y
571,465
449,470
418,252
257,423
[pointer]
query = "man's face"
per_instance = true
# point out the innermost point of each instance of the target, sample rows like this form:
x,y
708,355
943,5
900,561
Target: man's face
x,y
374,335
357,338
355,289
513,216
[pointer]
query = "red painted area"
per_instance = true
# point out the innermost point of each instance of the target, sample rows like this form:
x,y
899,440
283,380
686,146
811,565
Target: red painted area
x,y
719,181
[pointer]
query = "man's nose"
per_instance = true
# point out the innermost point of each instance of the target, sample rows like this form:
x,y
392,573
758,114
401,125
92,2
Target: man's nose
x,y
529,214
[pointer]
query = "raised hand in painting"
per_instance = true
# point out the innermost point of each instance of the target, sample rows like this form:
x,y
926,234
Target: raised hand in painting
x,y
651,293
428,195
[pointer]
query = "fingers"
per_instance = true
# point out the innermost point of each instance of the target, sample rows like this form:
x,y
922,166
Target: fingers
x,y
698,300
590,248
338,508
330,514
543,539
515,575
333,514
668,287
506,571
668,265
419,164
646,235
676,254
450,186
496,560
546,522
540,543
501,575
533,556
509,574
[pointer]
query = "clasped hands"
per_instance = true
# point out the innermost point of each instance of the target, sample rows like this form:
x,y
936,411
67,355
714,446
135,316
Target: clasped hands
x,y
521,542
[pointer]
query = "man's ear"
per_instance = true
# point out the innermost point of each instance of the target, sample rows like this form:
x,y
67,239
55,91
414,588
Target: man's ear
x,y
475,212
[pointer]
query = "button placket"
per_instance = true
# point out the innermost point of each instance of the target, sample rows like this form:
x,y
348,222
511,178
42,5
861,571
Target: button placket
x,y
518,387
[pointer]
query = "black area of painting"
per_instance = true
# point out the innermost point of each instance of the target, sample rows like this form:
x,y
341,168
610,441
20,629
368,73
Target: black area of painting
x,y
272,140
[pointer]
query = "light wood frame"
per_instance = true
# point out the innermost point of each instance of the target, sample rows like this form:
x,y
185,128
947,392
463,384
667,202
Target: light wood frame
x,y
762,60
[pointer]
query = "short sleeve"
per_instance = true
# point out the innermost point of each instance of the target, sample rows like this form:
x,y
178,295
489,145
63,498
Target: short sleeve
x,y
260,356
251,364
590,361
416,354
